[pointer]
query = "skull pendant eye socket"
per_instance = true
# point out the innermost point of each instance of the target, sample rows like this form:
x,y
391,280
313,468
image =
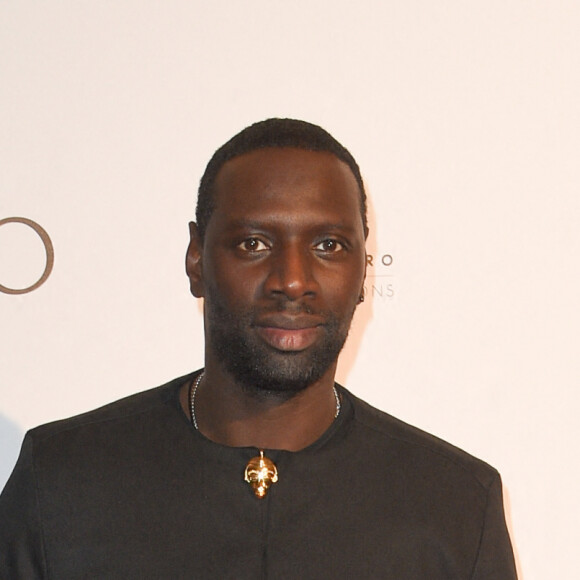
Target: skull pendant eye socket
x,y
261,473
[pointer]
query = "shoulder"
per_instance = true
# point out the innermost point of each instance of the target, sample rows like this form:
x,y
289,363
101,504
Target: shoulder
x,y
419,449
116,413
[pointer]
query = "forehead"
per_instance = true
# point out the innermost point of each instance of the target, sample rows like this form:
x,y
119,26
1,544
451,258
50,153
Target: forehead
x,y
287,182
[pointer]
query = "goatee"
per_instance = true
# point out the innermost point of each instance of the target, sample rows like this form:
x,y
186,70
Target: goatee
x,y
257,366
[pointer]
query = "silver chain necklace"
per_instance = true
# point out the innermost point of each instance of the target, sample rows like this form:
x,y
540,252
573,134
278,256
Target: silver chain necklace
x,y
195,386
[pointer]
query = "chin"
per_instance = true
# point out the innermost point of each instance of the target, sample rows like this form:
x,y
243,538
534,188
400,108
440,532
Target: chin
x,y
279,373
259,367
285,375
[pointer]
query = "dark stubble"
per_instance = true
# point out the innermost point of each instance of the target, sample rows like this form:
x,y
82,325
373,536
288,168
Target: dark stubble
x,y
257,366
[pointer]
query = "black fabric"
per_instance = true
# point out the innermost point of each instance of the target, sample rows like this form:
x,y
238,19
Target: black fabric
x,y
132,490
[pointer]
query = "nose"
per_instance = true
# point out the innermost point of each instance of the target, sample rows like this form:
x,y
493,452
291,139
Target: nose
x,y
291,273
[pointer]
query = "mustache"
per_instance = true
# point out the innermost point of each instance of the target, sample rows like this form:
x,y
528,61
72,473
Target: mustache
x,y
293,308
281,307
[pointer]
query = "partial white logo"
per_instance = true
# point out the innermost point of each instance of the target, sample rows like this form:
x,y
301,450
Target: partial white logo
x,y
380,283
48,248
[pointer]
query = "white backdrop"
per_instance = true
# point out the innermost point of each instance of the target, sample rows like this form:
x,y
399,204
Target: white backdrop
x,y
465,119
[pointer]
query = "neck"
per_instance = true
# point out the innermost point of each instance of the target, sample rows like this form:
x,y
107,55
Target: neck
x,y
229,414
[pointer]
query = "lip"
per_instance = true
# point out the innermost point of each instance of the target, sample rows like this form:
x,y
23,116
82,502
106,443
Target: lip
x,y
290,334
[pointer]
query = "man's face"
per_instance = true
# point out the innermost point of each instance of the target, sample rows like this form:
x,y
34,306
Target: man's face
x,y
281,268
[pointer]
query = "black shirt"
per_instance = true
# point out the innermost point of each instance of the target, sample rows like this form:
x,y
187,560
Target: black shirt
x,y
132,490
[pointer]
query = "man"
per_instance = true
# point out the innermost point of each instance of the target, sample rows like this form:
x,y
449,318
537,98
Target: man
x,y
258,466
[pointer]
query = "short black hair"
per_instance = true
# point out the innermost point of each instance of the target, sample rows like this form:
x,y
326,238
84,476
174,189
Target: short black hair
x,y
272,133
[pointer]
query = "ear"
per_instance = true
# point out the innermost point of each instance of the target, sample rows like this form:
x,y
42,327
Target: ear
x,y
193,262
362,293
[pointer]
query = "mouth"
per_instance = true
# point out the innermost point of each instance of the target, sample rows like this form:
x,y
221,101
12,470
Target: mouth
x,y
290,334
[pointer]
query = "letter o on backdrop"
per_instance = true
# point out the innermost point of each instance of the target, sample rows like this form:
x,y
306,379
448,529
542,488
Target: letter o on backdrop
x,y
387,260
48,248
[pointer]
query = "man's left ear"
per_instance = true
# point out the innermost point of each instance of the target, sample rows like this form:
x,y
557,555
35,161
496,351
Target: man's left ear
x,y
361,296
193,262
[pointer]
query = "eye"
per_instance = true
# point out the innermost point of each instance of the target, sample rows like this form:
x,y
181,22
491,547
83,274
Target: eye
x,y
329,246
252,245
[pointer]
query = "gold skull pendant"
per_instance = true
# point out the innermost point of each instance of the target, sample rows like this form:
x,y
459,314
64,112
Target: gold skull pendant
x,y
261,473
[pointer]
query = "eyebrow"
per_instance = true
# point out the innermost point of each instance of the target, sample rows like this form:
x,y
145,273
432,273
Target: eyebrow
x,y
261,224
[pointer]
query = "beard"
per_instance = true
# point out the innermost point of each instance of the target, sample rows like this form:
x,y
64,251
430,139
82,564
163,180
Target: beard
x,y
257,366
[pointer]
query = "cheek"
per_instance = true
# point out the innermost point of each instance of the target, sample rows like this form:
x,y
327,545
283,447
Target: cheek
x,y
345,287
236,286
